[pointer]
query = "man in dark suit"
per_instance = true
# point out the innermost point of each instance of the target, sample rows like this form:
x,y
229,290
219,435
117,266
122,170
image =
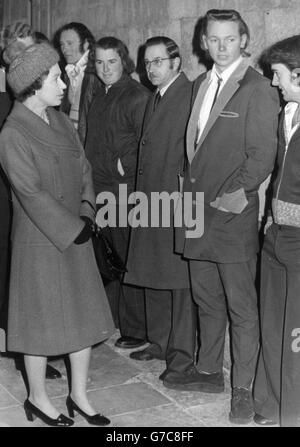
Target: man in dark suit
x,y
231,147
152,263
74,40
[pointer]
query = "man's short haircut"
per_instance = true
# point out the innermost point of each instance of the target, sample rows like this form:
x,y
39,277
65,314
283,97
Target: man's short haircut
x,y
170,45
80,29
226,15
112,43
286,52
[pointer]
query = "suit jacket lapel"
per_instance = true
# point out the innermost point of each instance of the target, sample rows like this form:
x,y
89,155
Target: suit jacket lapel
x,y
193,122
231,86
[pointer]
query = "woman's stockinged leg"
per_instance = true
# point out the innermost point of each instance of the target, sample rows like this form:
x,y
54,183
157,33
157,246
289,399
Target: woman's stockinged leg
x,y
36,373
80,362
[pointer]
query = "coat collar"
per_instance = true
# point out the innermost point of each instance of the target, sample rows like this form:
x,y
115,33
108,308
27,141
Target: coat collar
x,y
52,135
168,96
226,94
121,83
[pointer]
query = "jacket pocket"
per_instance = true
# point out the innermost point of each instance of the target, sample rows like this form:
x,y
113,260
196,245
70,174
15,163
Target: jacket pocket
x,y
228,114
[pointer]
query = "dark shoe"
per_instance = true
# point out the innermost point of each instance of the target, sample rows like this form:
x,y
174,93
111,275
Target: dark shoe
x,y
96,419
192,380
260,420
52,373
33,412
242,411
143,355
129,342
163,375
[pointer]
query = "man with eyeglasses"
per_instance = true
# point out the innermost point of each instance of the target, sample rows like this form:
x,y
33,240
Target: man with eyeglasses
x,y
231,147
152,263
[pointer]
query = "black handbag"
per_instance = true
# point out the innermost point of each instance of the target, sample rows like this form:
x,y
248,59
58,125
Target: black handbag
x,y
110,265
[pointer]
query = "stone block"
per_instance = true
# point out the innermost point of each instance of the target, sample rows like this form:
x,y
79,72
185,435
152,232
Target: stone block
x,y
256,24
178,9
281,23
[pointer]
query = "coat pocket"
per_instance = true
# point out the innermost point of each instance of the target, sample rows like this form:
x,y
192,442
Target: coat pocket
x,y
228,114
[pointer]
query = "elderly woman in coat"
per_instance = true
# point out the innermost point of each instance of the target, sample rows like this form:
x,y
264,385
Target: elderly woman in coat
x,y
57,303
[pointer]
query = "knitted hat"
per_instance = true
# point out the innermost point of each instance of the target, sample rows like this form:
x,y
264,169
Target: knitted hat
x,y
30,64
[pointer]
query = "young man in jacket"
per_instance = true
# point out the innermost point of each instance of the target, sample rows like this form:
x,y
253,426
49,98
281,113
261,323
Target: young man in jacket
x,y
114,129
231,147
277,384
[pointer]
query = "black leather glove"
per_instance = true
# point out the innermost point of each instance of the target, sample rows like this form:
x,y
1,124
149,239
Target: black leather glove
x,y
86,232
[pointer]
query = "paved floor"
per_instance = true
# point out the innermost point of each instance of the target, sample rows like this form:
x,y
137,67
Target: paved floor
x,y
127,391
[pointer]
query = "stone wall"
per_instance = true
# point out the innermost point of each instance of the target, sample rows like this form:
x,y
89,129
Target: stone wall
x,y
135,20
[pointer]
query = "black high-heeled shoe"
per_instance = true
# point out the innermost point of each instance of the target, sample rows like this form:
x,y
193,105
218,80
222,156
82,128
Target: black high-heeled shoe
x,y
33,412
96,419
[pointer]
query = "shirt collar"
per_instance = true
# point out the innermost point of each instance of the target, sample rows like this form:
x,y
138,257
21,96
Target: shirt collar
x,y
165,88
79,66
225,75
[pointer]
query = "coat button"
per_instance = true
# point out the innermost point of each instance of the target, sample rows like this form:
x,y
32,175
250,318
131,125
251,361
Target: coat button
x,y
141,171
143,142
193,180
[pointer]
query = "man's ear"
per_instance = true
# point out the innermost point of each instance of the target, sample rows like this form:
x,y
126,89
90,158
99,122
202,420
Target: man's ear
x,y
85,46
176,63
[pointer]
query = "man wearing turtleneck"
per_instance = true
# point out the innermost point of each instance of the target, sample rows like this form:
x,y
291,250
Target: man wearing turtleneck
x,y
75,41
111,148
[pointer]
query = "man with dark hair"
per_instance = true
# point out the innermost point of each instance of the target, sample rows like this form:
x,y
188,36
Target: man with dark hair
x,y
231,147
277,383
74,40
170,312
114,129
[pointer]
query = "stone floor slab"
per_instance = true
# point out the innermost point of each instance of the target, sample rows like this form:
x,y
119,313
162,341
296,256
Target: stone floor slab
x,y
164,416
215,414
108,368
6,400
126,398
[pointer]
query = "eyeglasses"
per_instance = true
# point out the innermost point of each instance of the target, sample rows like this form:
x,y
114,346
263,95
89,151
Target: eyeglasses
x,y
157,62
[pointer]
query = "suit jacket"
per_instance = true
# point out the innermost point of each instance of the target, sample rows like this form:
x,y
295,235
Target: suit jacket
x,y
115,123
152,261
236,152
286,182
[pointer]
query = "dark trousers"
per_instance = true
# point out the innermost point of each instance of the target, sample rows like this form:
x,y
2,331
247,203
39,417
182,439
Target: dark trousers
x,y
171,327
218,289
127,302
277,384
